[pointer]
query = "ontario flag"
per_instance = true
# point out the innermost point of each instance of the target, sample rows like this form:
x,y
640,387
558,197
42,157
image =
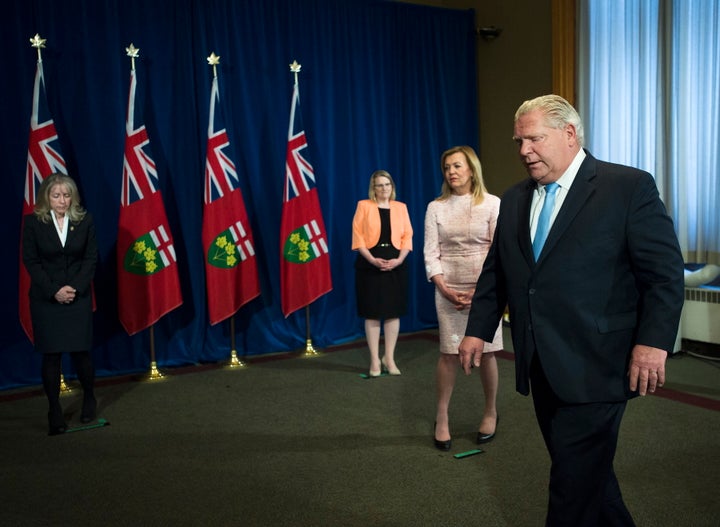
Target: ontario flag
x,y
304,258
148,282
44,158
230,264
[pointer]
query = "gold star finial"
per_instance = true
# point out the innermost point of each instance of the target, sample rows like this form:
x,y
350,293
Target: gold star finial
x,y
38,43
132,52
213,60
295,68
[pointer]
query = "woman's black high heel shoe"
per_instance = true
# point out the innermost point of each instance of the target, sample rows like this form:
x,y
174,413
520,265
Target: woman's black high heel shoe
x,y
56,423
486,438
89,408
441,445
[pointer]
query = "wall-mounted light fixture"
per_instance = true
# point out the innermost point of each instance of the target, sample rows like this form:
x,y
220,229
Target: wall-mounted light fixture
x,y
488,32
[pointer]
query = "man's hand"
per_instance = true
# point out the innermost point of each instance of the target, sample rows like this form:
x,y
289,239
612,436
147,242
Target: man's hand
x,y
470,350
647,369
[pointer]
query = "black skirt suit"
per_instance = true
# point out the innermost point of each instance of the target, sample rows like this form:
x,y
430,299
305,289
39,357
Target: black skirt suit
x,y
60,327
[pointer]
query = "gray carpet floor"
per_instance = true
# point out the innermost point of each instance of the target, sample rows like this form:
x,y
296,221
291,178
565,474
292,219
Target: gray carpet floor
x,y
293,441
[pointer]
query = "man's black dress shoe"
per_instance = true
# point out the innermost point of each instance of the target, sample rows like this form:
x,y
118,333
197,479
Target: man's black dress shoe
x,y
486,438
441,445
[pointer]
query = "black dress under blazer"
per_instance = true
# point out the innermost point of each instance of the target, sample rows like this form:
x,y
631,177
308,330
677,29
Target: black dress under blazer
x,y
60,327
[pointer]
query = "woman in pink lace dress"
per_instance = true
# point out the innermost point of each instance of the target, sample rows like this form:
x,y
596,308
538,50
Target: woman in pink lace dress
x,y
459,227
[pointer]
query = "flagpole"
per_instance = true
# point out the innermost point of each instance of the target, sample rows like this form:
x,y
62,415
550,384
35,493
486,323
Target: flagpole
x,y
154,373
234,361
309,349
64,388
38,43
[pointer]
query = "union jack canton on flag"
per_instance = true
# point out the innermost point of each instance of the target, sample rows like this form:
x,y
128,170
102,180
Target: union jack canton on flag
x,y
44,158
304,255
148,282
231,274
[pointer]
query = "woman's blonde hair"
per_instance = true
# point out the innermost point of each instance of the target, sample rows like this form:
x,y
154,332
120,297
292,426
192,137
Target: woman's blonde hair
x,y
42,204
375,175
477,185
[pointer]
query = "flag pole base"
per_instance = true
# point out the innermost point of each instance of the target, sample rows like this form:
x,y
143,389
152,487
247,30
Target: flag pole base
x,y
234,361
154,374
310,351
64,388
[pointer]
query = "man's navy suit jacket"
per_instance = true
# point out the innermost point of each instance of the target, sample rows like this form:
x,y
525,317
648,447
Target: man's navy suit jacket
x,y
609,276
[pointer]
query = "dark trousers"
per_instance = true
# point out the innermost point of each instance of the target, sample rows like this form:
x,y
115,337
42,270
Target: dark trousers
x,y
581,440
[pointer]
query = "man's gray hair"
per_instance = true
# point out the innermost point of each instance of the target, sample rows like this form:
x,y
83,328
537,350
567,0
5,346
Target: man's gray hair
x,y
558,113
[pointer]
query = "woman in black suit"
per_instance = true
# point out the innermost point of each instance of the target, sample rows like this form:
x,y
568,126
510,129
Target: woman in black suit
x,y
60,254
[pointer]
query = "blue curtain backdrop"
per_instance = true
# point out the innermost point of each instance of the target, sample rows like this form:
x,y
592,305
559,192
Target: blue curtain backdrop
x,y
383,85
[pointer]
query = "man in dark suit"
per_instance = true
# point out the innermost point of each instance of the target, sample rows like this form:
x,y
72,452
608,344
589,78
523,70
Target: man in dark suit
x,y
593,315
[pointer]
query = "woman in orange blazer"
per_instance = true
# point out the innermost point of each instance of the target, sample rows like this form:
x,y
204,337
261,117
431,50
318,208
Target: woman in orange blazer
x,y
382,236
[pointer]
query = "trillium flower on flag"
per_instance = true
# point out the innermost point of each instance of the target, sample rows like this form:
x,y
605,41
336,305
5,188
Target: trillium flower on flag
x,y
148,280
305,244
150,253
304,256
230,248
231,274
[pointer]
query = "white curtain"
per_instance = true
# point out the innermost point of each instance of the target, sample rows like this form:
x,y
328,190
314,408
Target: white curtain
x,y
649,94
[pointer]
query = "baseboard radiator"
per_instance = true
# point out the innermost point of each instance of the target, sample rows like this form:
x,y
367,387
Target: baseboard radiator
x,y
700,323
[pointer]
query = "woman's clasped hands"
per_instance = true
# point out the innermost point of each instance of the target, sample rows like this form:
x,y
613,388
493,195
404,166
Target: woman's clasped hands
x,y
65,295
